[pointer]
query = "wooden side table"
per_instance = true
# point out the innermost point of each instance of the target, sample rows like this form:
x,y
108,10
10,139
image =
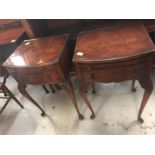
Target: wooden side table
x,y
42,61
115,54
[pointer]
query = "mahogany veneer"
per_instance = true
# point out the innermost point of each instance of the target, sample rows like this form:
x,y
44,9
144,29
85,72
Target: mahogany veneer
x,y
42,61
115,54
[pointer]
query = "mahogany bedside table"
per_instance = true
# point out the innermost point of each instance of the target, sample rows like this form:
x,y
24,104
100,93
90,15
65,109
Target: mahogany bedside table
x,y
115,54
42,61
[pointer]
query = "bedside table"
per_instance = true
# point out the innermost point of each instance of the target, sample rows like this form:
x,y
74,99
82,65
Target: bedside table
x,y
115,54
42,61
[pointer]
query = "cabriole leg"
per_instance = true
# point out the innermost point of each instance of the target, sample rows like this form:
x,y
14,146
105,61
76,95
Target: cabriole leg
x,y
69,89
84,97
22,89
147,85
133,89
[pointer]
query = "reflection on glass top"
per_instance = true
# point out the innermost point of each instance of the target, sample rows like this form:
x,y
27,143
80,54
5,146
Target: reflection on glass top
x,y
37,51
18,60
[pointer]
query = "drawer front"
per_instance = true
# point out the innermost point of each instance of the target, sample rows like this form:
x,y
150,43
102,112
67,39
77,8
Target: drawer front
x,y
115,72
39,76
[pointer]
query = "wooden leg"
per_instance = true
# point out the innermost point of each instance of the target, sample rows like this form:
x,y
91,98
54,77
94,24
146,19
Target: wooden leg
x,y
69,89
52,89
46,90
13,97
133,89
146,84
22,89
93,87
5,94
4,106
84,97
4,82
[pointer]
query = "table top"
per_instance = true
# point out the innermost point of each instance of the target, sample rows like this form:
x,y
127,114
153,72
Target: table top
x,y
112,43
36,52
11,35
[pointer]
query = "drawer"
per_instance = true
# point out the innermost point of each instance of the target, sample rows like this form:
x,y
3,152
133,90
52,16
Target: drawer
x,y
39,78
30,70
114,72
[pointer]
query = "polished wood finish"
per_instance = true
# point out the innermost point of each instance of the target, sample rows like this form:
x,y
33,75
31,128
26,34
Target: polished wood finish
x,y
74,26
112,44
28,28
11,35
47,27
42,61
115,54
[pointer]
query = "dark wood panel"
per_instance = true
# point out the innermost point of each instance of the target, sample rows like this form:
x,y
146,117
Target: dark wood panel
x,y
74,26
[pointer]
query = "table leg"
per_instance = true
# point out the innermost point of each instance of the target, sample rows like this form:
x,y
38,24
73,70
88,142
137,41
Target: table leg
x,y
93,87
22,89
69,89
146,83
53,90
84,97
133,88
46,90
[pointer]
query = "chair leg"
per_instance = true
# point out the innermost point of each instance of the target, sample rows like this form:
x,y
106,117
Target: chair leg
x,y
4,106
7,92
13,97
